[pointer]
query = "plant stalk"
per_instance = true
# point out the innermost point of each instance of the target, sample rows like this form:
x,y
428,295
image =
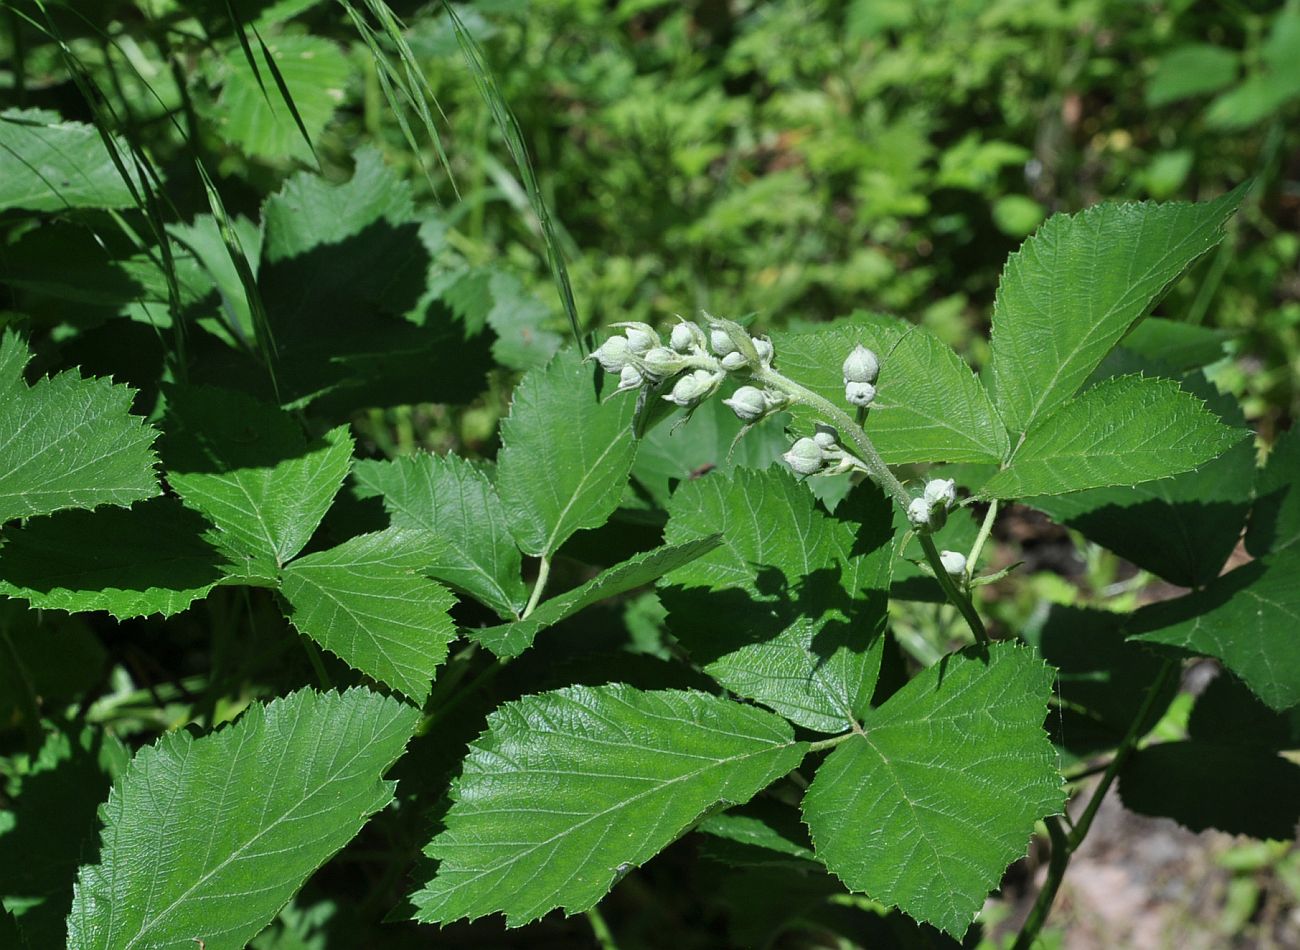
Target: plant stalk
x,y
543,574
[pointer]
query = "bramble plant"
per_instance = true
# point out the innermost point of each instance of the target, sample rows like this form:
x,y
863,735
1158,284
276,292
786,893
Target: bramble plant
x,y
246,646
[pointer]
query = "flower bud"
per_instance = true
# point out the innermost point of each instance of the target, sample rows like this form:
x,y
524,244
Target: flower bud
x,y
805,457
612,354
685,336
861,366
661,362
629,378
954,562
693,388
861,395
826,437
733,361
918,513
765,351
721,342
640,337
747,403
941,491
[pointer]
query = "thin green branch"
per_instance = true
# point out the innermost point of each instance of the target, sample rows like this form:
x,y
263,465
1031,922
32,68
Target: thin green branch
x,y
543,573
978,547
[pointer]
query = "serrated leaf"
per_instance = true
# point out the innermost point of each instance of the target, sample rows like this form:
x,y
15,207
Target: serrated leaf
x,y
250,470
940,792
511,639
367,602
150,559
565,454
1203,785
789,610
47,164
929,406
68,442
449,498
1078,285
774,828
1120,432
1275,519
208,838
567,791
1181,528
1247,619
253,115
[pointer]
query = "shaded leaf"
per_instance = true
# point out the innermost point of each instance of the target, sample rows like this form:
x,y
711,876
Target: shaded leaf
x,y
940,792
567,791
1228,713
1077,286
47,164
367,602
68,442
1275,519
208,837
789,610
565,455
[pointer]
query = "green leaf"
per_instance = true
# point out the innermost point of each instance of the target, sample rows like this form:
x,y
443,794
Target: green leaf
x,y
150,559
250,470
366,602
789,610
1181,346
471,547
1247,619
47,164
1228,713
1236,789
929,406
767,828
511,639
1122,431
208,838
1078,285
1181,528
68,442
939,793
254,117
567,791
565,454
1192,70
1275,519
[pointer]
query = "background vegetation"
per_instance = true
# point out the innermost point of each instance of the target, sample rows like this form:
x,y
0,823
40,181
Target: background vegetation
x,y
337,183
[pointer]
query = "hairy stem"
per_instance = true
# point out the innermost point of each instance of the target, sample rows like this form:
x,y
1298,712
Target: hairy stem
x,y
1063,846
959,599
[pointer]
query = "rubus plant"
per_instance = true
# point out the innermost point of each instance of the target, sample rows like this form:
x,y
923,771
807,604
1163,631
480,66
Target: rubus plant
x,y
781,723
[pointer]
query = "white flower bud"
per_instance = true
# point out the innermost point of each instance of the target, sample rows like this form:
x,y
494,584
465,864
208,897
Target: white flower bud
x,y
694,388
805,457
721,342
733,361
918,513
612,354
629,378
861,395
640,337
765,351
747,403
683,338
661,362
826,437
861,366
941,491
954,562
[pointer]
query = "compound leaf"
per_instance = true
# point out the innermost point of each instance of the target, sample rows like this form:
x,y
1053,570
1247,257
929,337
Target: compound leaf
x,y
565,454
151,559
1247,619
1078,285
929,406
511,639
453,501
940,792
206,839
367,602
788,611
567,791
1122,431
47,164
250,470
68,442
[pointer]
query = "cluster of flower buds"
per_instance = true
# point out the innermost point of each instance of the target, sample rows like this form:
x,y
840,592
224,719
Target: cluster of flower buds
x,y
929,512
821,454
698,361
861,368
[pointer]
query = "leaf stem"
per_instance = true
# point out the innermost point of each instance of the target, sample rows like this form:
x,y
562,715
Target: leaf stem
x,y
317,664
977,548
959,600
1064,846
833,741
604,936
543,573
